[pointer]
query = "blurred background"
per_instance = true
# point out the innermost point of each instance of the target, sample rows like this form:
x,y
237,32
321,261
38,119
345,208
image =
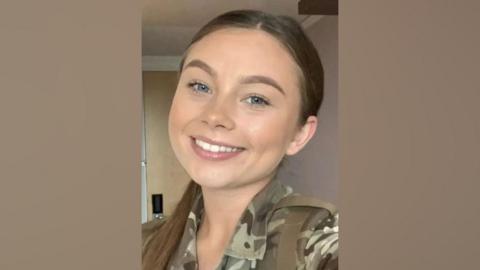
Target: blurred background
x,y
167,28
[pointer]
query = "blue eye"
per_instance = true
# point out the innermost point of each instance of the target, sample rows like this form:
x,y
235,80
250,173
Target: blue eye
x,y
199,87
258,101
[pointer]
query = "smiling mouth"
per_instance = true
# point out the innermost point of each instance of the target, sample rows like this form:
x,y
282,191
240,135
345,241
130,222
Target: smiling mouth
x,y
210,146
209,151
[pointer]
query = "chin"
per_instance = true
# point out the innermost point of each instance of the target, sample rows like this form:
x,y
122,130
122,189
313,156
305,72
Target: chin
x,y
216,182
213,186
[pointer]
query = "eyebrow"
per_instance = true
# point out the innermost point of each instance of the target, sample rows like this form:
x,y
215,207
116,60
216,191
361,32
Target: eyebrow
x,y
262,79
252,79
202,65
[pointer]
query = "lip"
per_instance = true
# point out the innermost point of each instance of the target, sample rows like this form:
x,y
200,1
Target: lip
x,y
207,140
212,156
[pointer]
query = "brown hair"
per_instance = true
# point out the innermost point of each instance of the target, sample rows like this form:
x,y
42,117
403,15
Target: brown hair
x,y
289,33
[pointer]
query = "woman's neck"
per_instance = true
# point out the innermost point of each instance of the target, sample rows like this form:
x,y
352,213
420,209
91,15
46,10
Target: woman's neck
x,y
223,209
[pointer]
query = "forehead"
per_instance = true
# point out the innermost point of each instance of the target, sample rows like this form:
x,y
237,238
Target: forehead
x,y
237,51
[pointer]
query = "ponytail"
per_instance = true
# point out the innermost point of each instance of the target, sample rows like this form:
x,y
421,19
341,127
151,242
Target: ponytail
x,y
165,241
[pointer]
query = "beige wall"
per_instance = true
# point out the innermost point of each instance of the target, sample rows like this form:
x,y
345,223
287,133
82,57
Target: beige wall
x,y
164,173
314,171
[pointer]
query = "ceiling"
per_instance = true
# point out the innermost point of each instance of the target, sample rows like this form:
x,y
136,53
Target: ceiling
x,y
168,25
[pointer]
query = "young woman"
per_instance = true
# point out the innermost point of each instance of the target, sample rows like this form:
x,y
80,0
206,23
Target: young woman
x,y
249,90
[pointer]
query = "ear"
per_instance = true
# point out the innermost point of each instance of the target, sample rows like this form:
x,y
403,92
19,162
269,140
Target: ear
x,y
303,135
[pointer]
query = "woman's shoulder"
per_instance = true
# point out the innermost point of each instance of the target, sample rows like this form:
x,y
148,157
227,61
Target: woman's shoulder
x,y
321,248
317,226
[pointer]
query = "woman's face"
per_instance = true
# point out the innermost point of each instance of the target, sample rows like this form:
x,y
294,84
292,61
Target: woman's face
x,y
235,111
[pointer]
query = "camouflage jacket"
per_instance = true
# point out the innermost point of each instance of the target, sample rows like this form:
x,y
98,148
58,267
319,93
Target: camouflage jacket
x,y
255,240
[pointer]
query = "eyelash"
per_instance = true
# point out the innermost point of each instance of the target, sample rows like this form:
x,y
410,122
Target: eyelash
x,y
264,101
196,83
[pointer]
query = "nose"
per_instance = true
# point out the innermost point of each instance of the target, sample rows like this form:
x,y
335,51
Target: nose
x,y
217,114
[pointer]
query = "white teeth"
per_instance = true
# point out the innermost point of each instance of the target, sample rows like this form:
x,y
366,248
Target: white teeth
x,y
215,148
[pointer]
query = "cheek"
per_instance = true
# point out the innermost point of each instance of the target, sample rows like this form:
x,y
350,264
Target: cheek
x,y
177,119
172,117
178,116
268,133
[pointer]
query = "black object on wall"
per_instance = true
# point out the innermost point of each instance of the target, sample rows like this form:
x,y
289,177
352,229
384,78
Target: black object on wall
x,y
318,7
157,203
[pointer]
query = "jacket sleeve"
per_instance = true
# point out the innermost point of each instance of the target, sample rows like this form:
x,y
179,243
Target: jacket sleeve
x,y
321,252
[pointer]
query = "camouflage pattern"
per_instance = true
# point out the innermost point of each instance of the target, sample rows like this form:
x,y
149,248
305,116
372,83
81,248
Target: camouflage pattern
x,y
255,241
